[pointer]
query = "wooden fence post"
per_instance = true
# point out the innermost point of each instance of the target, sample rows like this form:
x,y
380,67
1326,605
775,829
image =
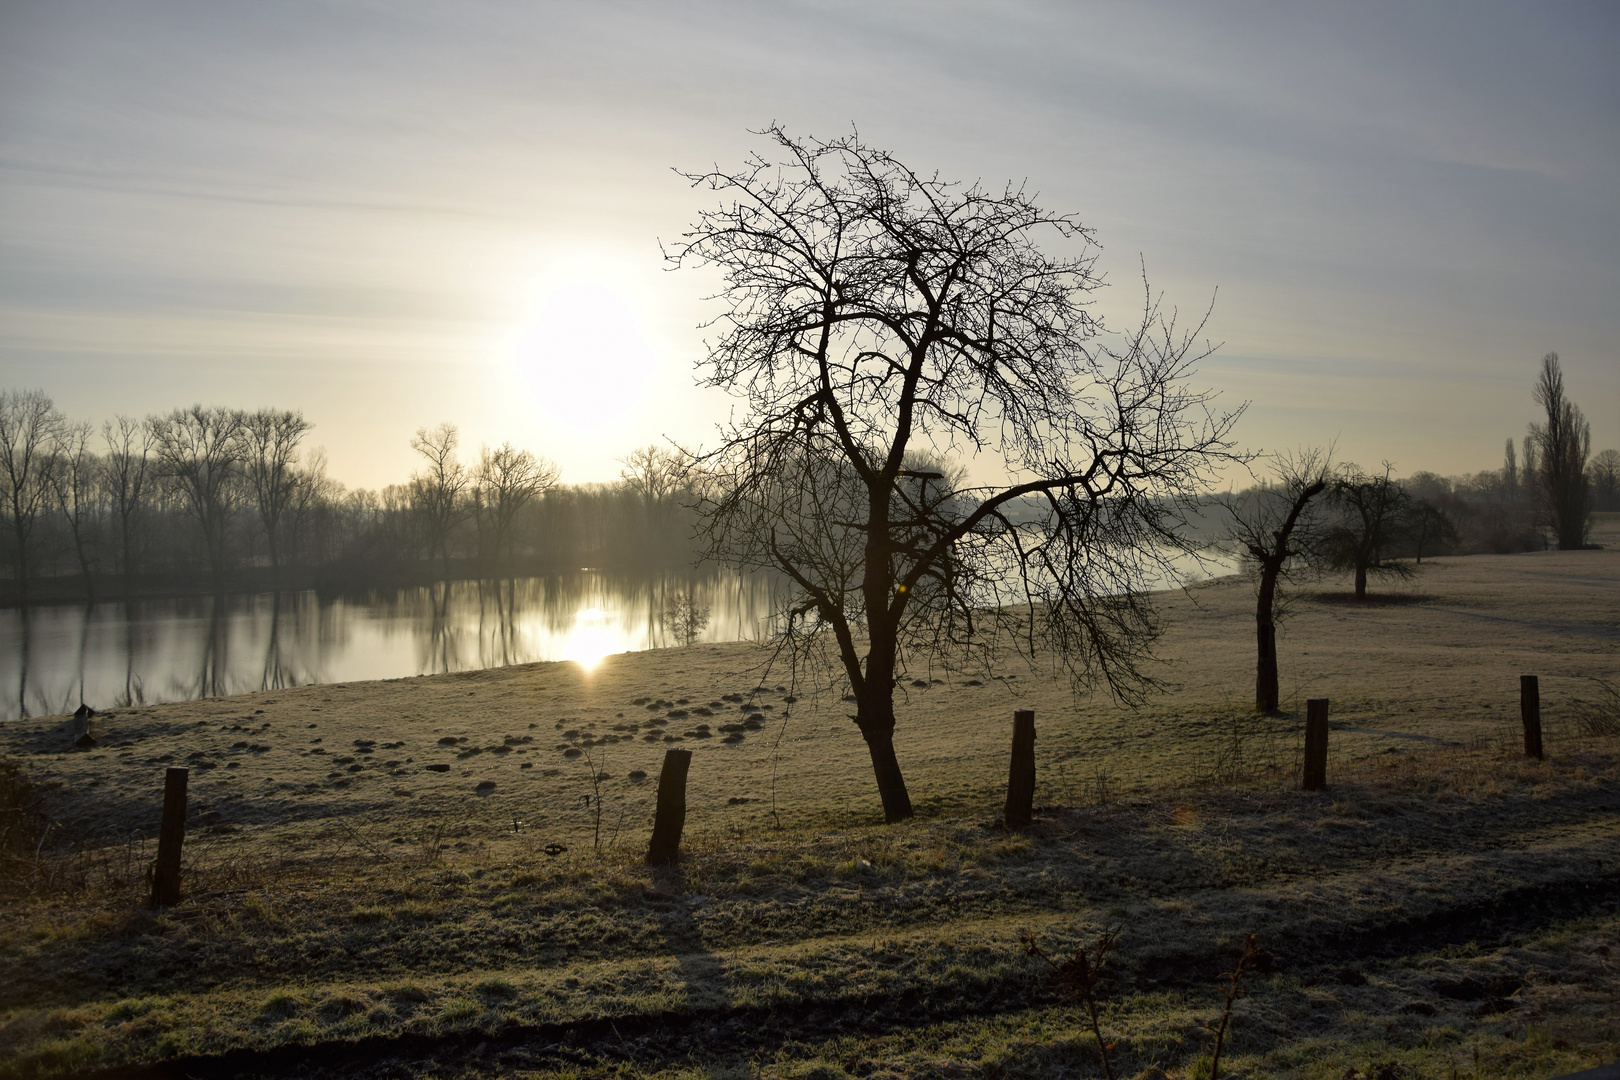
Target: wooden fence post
x,y
1316,743
171,836
1530,714
665,849
1021,775
79,727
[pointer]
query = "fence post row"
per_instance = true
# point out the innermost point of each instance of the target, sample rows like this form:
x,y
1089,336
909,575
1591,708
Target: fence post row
x,y
171,836
1316,743
1021,775
670,819
1530,714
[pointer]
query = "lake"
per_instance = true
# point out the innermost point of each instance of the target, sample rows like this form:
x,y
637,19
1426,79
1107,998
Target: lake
x,y
116,654
107,655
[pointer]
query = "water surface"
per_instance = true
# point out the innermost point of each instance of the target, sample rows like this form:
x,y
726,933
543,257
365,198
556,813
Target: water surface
x,y
114,654
130,653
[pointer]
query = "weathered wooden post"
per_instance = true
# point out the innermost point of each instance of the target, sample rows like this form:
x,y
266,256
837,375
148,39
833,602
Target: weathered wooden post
x,y
79,727
171,836
1530,714
665,849
1021,776
1316,742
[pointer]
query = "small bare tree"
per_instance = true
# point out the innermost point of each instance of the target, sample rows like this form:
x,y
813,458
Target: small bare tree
x,y
126,478
878,318
438,491
686,617
1273,526
1372,508
270,439
1428,526
508,479
1563,444
29,424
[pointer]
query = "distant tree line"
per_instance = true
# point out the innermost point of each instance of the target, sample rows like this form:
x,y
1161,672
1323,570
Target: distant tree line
x,y
234,499
208,497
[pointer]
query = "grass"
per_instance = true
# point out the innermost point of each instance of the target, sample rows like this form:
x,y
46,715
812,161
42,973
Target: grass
x,y
824,925
410,926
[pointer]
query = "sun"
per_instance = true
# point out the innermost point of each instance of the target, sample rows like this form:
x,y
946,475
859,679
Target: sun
x,y
591,639
579,353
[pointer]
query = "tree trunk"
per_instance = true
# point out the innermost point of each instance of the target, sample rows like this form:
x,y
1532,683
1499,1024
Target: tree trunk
x,y
1361,581
22,568
891,785
275,556
129,571
1265,678
1265,670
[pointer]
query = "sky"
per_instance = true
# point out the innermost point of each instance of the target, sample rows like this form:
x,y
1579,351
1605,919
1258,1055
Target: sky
x,y
389,215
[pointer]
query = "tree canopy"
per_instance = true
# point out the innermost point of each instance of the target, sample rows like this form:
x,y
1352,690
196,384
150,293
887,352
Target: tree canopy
x,y
940,444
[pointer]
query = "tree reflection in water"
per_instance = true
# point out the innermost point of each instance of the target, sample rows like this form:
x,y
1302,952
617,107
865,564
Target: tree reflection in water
x,y
131,653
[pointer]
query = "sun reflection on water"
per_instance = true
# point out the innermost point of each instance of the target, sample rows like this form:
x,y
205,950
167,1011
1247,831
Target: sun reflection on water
x,y
591,639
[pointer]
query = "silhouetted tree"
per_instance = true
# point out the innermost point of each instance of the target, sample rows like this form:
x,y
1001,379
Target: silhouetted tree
x,y
1562,444
1372,507
1428,525
29,425
685,617
875,316
270,439
200,450
1605,479
74,479
654,474
437,492
1273,526
312,490
657,476
508,479
125,477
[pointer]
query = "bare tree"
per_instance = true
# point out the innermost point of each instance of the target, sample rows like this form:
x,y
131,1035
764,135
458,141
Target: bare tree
x,y
129,449
311,490
657,476
270,439
1563,444
654,474
1428,525
685,616
74,480
437,492
1373,508
506,480
200,450
1605,480
29,424
1273,526
877,317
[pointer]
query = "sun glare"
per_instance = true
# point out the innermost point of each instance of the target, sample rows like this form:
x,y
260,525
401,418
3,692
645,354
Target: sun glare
x,y
580,353
591,639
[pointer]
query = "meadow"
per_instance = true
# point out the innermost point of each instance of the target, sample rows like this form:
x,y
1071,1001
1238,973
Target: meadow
x,y
442,876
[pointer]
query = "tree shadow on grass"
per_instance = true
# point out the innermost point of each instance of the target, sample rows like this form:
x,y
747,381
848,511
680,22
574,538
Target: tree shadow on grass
x,y
1349,599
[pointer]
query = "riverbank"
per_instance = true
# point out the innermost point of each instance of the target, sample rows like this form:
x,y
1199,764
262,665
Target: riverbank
x,y
368,860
